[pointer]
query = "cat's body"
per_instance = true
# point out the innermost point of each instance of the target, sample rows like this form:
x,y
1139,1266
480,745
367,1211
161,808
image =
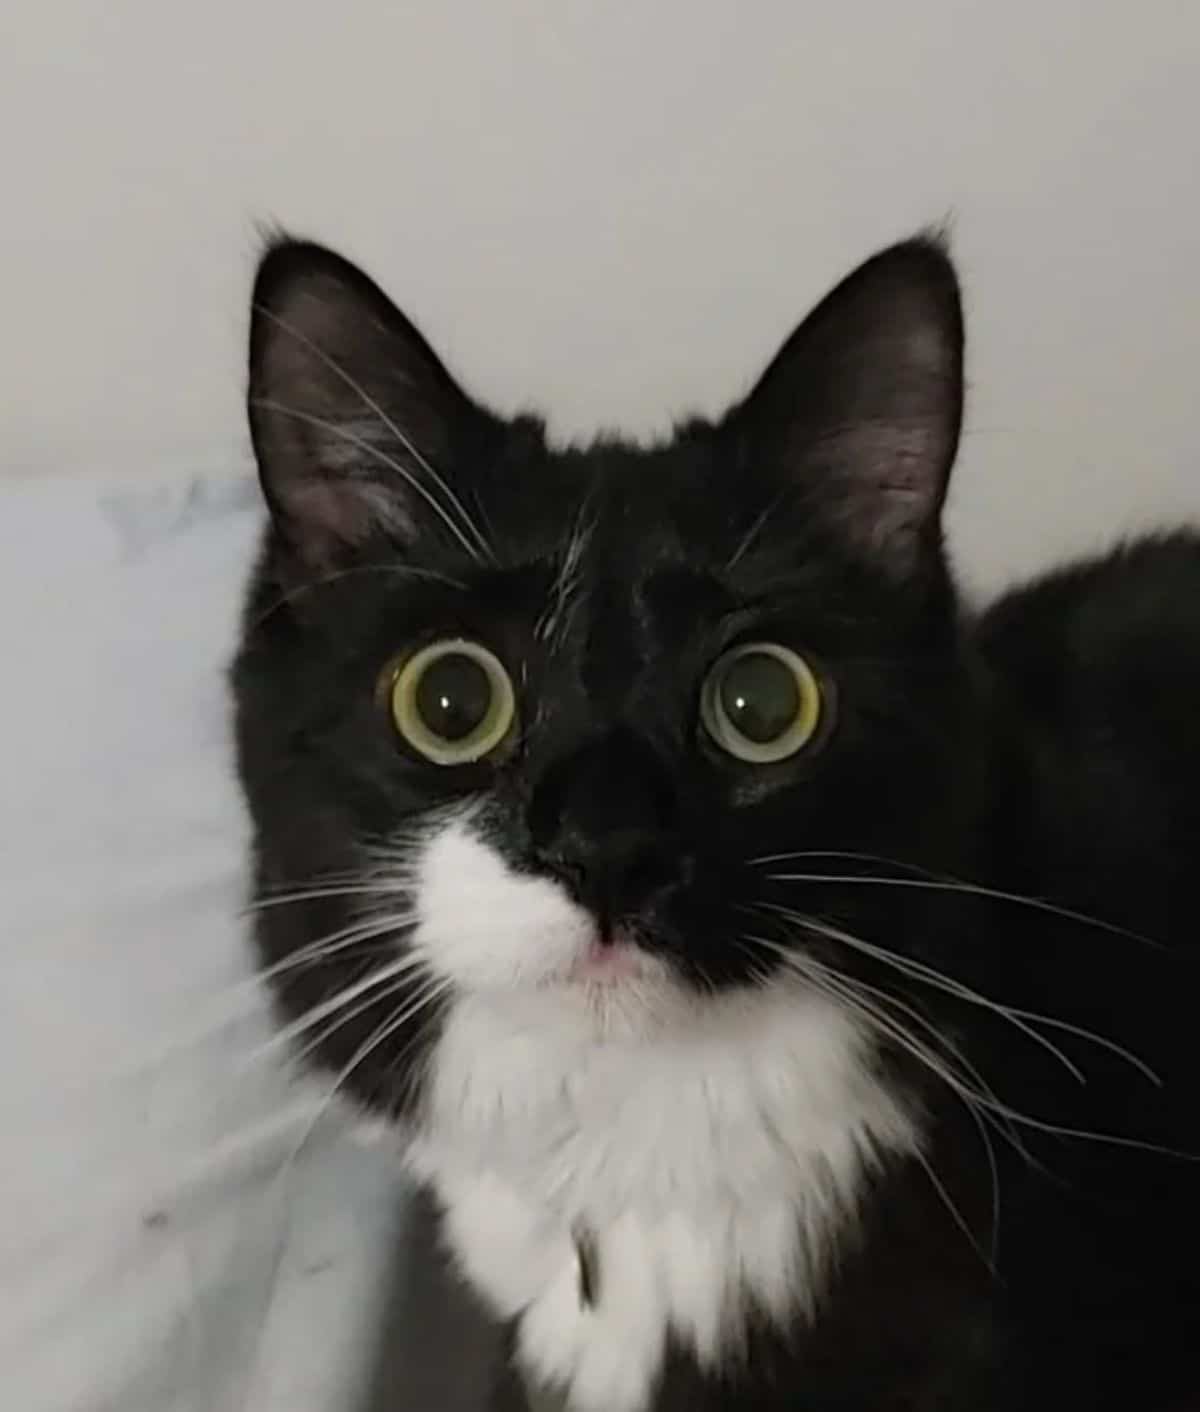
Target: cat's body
x,y
731,1093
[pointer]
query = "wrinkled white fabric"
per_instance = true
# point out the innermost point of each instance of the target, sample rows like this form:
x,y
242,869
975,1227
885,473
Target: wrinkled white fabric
x,y
159,1252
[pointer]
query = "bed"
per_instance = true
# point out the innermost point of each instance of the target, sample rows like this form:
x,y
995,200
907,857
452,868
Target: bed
x,y
185,1224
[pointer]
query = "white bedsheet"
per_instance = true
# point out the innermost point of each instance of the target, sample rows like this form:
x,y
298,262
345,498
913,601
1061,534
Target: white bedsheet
x,y
158,1252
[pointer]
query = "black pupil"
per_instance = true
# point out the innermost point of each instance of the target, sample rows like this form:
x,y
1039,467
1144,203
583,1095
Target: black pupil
x,y
760,696
453,696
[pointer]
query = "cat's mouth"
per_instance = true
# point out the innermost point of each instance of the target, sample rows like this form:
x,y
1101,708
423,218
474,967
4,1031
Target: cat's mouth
x,y
609,960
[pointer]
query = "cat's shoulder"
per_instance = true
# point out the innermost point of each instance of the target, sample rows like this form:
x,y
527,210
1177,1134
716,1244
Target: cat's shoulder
x,y
1122,621
1096,669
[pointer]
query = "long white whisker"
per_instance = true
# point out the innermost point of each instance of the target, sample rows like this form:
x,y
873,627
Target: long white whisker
x,y
1022,1018
981,1118
1054,1129
993,1168
363,444
935,882
400,570
1084,1135
1012,1013
552,622
366,928
931,977
851,992
756,528
893,1002
316,894
821,977
918,971
956,1215
372,981
247,995
344,1016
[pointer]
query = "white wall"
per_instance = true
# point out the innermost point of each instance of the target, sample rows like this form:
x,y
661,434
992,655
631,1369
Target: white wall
x,y
615,211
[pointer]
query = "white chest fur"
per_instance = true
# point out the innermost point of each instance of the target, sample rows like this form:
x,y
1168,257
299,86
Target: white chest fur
x,y
713,1162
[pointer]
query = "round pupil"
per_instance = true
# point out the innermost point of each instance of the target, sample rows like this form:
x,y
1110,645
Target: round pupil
x,y
760,696
453,696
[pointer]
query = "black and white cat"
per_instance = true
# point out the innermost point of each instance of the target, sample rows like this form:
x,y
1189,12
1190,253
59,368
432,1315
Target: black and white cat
x,y
783,981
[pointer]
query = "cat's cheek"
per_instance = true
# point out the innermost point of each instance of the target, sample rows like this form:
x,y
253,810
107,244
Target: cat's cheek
x,y
484,926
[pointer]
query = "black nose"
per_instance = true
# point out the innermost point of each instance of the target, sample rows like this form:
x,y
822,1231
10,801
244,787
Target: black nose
x,y
603,820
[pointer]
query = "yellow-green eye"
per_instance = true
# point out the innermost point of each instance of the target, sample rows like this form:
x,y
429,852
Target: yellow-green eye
x,y
452,701
761,703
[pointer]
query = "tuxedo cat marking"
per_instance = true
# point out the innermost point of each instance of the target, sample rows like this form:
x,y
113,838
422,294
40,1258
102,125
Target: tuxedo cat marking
x,y
723,915
713,1151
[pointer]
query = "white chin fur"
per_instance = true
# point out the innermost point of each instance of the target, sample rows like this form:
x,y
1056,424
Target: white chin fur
x,y
713,1147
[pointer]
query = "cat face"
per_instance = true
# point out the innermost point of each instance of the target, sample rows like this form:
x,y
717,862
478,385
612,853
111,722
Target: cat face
x,y
525,722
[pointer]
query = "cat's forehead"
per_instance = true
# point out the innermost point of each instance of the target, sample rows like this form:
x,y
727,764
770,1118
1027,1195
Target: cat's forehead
x,y
620,511
670,532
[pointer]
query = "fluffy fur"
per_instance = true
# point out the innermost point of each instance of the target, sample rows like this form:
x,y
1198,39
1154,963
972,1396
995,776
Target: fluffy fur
x,y
861,1076
715,1149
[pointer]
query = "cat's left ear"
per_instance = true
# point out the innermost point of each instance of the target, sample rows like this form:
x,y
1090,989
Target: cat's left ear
x,y
861,408
358,429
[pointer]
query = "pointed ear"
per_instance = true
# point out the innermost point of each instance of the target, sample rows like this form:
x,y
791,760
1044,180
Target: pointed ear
x,y
356,424
862,406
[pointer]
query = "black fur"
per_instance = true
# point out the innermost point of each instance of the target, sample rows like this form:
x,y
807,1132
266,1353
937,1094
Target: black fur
x,y
1048,750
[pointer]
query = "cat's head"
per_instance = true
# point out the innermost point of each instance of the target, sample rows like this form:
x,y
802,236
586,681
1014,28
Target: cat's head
x,y
524,722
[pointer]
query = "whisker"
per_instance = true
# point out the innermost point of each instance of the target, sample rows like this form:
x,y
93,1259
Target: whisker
x,y
982,1120
935,882
399,570
956,1215
365,929
553,620
756,528
850,990
894,1002
316,894
820,977
1042,1125
1022,1019
916,970
313,1016
993,1171
759,972
281,409
247,997
344,1016
1086,1135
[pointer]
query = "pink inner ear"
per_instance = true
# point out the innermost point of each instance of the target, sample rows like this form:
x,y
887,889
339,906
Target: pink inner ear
x,y
338,513
349,413
330,510
886,484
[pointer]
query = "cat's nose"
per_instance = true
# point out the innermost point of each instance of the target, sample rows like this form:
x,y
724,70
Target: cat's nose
x,y
603,821
614,877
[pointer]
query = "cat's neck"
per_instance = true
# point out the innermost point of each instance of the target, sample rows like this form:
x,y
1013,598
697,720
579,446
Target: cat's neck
x,y
708,1169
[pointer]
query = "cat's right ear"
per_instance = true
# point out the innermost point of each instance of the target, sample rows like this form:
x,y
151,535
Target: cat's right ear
x,y
357,427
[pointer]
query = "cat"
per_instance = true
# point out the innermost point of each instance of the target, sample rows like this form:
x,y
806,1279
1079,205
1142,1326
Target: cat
x,y
781,976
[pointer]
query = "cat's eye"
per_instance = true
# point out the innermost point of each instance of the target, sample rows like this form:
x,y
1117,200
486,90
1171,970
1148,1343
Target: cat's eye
x,y
762,703
451,701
